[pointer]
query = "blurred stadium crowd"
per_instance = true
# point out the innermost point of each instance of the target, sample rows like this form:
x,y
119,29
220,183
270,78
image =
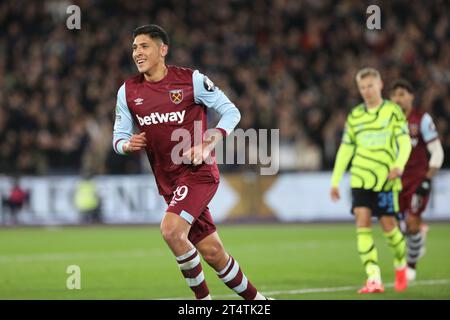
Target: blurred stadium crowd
x,y
286,64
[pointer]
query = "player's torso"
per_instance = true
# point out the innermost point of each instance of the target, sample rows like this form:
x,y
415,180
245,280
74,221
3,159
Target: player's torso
x,y
373,130
417,164
376,149
167,112
158,109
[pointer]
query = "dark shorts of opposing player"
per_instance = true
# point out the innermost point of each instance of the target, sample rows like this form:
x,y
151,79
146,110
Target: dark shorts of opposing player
x,y
380,203
190,201
411,203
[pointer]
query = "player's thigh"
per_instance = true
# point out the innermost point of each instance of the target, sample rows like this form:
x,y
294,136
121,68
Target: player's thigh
x,y
362,203
174,226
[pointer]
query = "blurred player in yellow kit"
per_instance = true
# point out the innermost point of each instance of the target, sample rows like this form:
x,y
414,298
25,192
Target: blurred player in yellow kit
x,y
376,142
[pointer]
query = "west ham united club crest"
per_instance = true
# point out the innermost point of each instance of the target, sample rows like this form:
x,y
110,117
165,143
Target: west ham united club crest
x,y
176,96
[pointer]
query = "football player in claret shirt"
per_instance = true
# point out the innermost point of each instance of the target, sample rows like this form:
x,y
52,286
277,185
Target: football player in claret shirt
x,y
158,101
425,160
377,144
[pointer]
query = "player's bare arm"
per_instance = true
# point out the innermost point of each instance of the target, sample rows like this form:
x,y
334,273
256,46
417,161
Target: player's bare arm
x,y
436,157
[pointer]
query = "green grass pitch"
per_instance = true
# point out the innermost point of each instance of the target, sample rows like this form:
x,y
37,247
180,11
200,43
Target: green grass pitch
x,y
291,261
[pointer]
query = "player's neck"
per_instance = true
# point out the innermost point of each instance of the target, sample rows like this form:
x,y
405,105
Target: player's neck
x,y
156,74
375,103
408,111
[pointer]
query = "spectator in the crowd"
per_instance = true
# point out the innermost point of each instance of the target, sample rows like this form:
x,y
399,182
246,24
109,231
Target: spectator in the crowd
x,y
87,200
14,202
272,57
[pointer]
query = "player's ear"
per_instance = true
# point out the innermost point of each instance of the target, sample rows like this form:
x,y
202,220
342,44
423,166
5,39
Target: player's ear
x,y
381,84
164,50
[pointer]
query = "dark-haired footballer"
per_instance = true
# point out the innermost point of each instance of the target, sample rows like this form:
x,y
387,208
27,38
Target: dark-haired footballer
x,y
158,101
426,159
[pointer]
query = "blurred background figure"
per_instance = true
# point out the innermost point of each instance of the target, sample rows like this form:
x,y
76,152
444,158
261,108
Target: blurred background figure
x,y
296,73
87,200
14,202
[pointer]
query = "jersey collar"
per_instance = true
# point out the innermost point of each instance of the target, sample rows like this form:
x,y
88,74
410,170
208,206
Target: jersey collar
x,y
377,109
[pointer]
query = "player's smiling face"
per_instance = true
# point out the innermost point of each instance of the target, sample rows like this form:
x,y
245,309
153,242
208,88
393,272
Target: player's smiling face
x,y
148,52
370,89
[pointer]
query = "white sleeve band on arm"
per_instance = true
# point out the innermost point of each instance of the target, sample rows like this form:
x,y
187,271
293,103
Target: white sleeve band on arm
x,y
436,152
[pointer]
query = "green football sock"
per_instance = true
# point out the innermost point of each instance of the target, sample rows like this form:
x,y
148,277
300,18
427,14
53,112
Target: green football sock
x,y
396,241
368,253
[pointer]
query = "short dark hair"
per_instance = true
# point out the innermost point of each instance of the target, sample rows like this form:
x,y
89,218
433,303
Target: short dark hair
x,y
153,31
402,84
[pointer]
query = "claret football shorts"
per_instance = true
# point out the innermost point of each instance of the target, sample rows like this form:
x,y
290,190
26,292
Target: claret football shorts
x,y
410,203
190,201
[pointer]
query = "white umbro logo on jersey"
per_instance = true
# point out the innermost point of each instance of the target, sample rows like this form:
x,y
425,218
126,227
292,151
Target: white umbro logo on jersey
x,y
138,101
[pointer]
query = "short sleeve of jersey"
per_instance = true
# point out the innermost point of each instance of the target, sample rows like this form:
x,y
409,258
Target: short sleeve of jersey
x,y
427,128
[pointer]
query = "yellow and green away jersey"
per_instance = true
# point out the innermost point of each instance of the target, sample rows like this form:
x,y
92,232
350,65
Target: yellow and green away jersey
x,y
375,141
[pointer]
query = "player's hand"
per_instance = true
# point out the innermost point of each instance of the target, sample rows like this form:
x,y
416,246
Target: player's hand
x,y
394,173
334,194
198,154
137,142
194,155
